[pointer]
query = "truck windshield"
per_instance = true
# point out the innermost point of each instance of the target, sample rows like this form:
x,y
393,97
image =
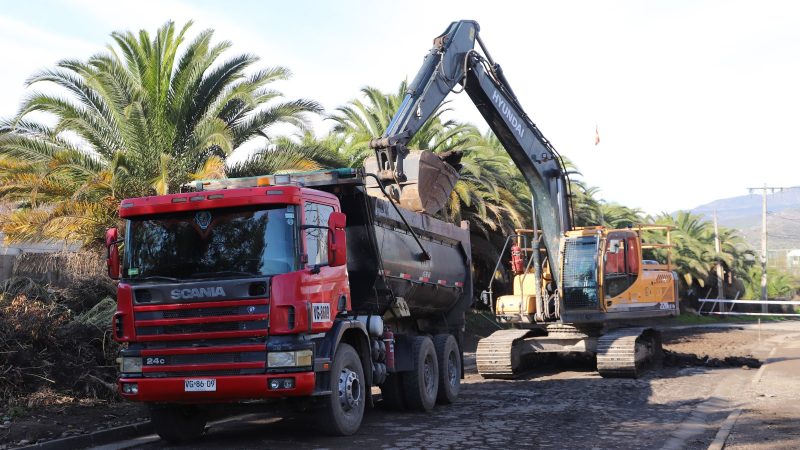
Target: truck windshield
x,y
212,243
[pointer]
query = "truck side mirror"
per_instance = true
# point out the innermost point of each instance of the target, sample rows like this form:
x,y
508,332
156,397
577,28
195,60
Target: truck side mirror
x,y
112,253
337,240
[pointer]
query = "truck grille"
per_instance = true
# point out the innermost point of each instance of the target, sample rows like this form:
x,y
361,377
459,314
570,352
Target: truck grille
x,y
239,358
204,338
203,312
202,320
203,328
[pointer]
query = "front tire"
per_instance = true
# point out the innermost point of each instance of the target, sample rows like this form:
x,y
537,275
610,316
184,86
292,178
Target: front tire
x,y
343,410
421,384
177,423
449,360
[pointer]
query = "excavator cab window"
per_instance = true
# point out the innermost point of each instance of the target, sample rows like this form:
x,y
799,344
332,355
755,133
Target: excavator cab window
x,y
620,264
580,273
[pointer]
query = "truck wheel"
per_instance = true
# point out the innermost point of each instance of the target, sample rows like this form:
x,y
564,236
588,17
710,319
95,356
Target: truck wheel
x,y
177,423
392,392
449,360
421,384
343,410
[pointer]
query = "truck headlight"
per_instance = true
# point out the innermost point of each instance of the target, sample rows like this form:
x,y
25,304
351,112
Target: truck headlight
x,y
129,365
300,358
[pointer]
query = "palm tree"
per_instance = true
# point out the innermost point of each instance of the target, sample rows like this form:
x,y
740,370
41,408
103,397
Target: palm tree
x,y
361,120
141,118
780,285
694,255
288,156
692,250
614,215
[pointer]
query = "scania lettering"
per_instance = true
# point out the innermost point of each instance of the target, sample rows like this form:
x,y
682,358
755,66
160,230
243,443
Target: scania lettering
x,y
196,293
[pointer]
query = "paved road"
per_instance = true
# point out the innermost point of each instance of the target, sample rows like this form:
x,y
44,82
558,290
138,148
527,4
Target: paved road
x,y
770,403
672,408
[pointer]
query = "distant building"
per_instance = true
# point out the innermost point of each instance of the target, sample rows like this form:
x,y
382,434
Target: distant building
x,y
31,247
9,252
793,260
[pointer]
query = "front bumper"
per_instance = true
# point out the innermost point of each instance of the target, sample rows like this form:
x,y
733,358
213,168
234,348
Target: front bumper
x,y
228,388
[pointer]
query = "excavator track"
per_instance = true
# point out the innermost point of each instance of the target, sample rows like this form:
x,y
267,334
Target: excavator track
x,y
497,357
625,352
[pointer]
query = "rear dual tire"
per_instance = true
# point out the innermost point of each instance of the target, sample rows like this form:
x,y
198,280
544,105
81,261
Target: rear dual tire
x,y
449,361
436,377
421,385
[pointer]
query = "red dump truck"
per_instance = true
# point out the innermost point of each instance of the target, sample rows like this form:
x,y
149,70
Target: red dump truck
x,y
310,287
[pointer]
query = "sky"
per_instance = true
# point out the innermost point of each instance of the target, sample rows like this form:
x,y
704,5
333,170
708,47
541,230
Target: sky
x,y
693,100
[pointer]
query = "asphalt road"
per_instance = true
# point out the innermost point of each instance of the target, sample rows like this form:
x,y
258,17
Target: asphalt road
x,y
672,408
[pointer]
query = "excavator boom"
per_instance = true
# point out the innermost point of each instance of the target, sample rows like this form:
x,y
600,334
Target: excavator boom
x,y
453,61
597,274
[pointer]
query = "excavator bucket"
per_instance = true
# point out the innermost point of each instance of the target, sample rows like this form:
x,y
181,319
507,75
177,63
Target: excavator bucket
x,y
428,184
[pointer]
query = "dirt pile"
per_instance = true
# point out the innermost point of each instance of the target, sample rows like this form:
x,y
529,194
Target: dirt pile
x,y
678,359
55,344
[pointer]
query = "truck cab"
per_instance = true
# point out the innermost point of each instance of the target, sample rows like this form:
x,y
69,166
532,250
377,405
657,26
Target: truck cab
x,y
242,290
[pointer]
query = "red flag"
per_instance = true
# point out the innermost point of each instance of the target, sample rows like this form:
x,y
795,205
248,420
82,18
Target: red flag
x,y
596,135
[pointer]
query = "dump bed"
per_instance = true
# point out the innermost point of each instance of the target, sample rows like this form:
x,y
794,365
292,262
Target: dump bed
x,y
386,265
385,262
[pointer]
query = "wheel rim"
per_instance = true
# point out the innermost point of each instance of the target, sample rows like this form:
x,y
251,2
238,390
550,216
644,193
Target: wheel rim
x,y
428,375
349,389
452,369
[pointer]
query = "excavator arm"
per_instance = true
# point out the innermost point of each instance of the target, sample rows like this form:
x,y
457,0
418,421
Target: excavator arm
x,y
453,61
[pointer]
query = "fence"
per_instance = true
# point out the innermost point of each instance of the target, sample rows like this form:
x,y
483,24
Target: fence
x,y
719,304
53,268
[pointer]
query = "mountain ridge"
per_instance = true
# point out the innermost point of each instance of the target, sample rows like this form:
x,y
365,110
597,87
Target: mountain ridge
x,y
744,214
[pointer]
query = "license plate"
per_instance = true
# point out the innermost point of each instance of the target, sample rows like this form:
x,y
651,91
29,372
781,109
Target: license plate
x,y
200,385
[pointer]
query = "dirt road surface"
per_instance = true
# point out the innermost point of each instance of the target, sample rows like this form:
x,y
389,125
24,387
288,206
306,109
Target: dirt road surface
x,y
680,406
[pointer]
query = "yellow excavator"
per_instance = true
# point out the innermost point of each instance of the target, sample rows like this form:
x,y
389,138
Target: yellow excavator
x,y
575,289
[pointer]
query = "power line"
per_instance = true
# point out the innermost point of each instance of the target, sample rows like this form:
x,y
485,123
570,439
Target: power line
x,y
781,236
791,219
764,190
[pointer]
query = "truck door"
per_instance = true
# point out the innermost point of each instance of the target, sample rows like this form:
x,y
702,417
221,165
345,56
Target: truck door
x,y
321,285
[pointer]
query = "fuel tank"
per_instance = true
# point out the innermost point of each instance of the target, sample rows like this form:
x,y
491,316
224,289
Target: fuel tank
x,y
386,265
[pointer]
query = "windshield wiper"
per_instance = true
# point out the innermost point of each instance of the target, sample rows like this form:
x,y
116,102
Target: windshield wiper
x,y
223,273
157,277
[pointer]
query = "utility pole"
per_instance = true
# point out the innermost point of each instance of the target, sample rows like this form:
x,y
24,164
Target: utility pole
x,y
718,248
764,238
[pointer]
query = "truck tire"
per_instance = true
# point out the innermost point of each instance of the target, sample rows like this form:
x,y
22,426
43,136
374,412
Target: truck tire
x,y
449,360
177,423
421,384
342,411
392,392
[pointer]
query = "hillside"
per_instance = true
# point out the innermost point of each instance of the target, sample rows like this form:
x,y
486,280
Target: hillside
x,y
744,213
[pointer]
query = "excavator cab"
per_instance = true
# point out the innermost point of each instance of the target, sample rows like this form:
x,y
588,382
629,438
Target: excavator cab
x,y
603,278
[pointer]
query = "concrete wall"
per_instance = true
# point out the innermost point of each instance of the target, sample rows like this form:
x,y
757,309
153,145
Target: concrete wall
x,y
6,266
